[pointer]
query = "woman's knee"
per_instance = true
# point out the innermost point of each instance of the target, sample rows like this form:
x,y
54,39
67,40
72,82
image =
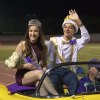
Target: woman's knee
x,y
39,73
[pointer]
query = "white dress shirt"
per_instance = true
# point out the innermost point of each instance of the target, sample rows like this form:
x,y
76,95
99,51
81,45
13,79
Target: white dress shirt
x,y
65,49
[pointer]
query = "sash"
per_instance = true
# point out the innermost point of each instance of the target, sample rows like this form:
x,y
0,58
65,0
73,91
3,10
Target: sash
x,y
56,53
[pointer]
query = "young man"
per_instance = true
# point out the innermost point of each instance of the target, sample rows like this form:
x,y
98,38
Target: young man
x,y
88,83
65,49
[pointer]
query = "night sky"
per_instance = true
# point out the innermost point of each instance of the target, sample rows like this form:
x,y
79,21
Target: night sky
x,y
44,8
20,9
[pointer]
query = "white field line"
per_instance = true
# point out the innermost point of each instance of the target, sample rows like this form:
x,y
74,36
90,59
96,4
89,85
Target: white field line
x,y
7,74
95,47
7,84
2,83
89,54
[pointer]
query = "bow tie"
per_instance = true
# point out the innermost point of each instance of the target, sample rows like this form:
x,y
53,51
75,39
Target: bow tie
x,y
69,42
65,42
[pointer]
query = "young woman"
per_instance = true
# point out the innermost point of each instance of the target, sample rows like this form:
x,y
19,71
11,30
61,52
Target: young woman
x,y
32,51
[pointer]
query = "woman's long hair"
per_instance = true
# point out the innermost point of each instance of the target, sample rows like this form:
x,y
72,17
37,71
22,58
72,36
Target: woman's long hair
x,y
41,42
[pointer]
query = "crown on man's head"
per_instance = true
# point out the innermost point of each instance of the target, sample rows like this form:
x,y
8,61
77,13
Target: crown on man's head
x,y
68,20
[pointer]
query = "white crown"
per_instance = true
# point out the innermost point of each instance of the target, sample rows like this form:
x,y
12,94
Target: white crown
x,y
72,22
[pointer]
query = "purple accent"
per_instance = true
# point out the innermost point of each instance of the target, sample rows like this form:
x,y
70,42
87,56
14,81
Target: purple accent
x,y
14,88
28,59
72,41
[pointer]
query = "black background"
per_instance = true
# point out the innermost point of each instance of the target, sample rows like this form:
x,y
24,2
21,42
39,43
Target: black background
x,y
15,14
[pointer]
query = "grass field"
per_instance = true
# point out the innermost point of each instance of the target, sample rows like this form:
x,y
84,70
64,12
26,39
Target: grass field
x,y
6,51
91,50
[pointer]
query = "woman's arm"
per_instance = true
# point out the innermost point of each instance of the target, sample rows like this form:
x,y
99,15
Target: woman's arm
x,y
15,59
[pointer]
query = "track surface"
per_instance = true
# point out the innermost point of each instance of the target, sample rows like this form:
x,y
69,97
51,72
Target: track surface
x,y
7,76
